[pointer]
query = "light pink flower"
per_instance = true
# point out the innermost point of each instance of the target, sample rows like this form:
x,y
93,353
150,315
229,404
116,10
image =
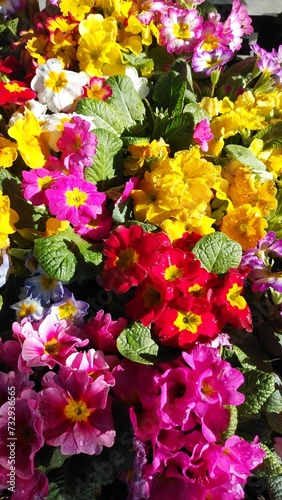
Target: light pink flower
x,y
238,24
74,199
76,411
93,362
180,29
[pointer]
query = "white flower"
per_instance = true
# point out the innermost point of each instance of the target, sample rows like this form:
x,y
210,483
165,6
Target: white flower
x,y
140,83
57,87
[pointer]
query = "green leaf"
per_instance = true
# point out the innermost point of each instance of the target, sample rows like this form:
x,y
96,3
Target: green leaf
x,y
139,61
104,115
197,111
218,253
169,92
258,387
271,136
274,487
232,426
271,466
122,212
12,25
177,131
136,344
248,159
273,409
108,146
55,257
126,100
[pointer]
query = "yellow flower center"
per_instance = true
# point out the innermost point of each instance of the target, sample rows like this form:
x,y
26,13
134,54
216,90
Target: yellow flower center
x,y
76,198
211,42
26,310
48,283
188,321
52,347
66,310
13,87
56,81
45,182
172,273
234,298
77,411
207,389
181,30
126,259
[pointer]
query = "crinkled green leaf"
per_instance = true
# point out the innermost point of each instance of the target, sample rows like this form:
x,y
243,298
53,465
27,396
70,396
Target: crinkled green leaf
x,y
271,466
217,252
139,61
257,388
274,487
103,115
108,146
136,344
169,92
55,257
232,426
248,159
273,409
271,136
126,100
197,111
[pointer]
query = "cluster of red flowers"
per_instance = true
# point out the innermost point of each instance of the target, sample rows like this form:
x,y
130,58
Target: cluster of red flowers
x,y
183,301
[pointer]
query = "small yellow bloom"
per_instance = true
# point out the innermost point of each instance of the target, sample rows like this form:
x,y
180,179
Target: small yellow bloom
x,y
8,152
77,8
245,225
8,217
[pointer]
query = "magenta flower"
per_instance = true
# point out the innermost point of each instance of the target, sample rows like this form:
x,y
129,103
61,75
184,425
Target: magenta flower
x,y
16,379
74,199
180,29
76,411
96,229
28,434
34,488
35,182
78,145
50,344
238,24
202,134
9,353
102,331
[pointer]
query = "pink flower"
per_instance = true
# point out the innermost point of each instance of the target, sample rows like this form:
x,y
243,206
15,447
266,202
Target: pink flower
x,y
35,182
96,229
237,25
50,344
34,488
102,331
16,379
180,29
93,362
28,434
204,61
77,144
74,199
203,134
76,411
9,353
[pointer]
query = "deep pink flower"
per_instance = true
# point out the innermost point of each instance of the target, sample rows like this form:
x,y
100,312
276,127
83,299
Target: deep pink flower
x,y
129,252
9,353
96,229
78,145
35,182
28,433
203,134
74,199
76,411
102,331
16,379
34,488
135,386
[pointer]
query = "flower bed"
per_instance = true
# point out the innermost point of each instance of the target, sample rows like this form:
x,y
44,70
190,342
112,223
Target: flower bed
x,y
141,251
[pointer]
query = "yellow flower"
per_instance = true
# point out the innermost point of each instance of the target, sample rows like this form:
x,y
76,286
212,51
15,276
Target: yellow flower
x,y
8,217
55,226
211,105
36,47
62,46
30,140
77,8
245,225
196,221
8,152
95,51
143,153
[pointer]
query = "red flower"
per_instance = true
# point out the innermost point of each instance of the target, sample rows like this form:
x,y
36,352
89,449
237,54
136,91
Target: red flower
x,y
151,297
129,252
176,266
15,92
229,305
187,319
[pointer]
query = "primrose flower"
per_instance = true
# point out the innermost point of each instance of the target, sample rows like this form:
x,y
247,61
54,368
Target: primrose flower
x,y
9,7
74,199
207,61
244,224
96,229
57,87
139,83
180,29
76,411
8,152
69,308
202,134
44,288
77,144
8,218
238,24
35,183
15,92
28,308
102,331
128,252
5,265
97,88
